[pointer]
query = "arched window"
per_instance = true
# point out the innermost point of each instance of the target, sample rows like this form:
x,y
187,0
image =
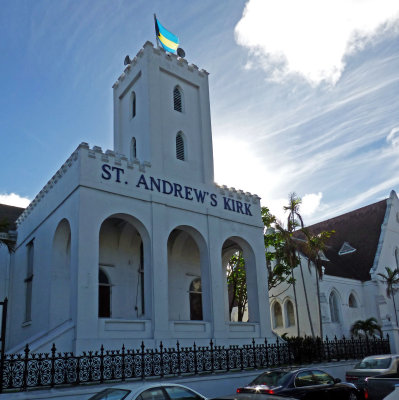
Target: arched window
x,y
334,307
104,295
177,99
290,313
195,293
278,315
133,149
180,152
397,257
352,301
133,104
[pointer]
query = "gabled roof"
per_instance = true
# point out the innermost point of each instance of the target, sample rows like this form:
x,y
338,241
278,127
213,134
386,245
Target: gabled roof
x,y
10,214
361,230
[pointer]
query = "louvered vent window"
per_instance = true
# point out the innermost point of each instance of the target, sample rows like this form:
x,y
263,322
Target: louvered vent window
x,y
133,104
180,147
177,99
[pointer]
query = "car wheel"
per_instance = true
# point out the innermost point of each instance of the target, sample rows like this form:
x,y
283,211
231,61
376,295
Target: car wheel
x,y
352,396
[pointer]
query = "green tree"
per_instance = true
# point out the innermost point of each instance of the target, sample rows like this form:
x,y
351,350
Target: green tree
x,y
315,245
4,225
368,327
294,220
237,283
391,279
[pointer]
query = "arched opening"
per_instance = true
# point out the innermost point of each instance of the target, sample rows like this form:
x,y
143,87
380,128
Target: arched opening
x,y
239,270
180,147
277,315
60,294
188,275
352,302
177,99
289,309
123,283
334,307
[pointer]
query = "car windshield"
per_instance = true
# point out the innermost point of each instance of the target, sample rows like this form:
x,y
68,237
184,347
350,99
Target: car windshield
x,y
382,362
272,379
111,394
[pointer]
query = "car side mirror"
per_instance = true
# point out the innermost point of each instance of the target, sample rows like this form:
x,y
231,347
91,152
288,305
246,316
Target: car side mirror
x,y
337,380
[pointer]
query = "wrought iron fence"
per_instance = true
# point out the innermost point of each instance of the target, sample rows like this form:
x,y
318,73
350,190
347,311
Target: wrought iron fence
x,y
30,370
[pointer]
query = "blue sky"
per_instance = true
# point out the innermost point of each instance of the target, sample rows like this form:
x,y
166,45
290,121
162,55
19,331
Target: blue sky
x,y
303,98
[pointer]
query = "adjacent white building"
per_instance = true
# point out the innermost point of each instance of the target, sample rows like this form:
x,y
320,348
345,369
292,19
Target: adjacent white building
x,y
132,244
366,241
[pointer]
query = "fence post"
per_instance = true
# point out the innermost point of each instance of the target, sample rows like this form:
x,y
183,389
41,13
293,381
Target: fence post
x,y
195,359
212,357
142,360
123,362
3,340
328,350
254,350
161,359
26,363
53,350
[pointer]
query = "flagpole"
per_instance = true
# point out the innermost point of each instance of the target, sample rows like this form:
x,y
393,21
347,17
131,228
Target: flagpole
x,y
156,29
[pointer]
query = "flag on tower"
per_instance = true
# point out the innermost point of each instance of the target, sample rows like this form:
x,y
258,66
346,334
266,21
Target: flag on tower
x,y
168,40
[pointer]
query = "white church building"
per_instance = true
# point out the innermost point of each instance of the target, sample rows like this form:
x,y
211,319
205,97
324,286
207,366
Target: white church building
x,y
365,241
132,244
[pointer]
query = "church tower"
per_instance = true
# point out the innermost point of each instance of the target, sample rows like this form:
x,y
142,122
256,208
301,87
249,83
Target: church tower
x,y
162,115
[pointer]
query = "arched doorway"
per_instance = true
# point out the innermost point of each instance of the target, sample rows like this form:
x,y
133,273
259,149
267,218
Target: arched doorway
x,y
123,281
239,270
60,296
188,276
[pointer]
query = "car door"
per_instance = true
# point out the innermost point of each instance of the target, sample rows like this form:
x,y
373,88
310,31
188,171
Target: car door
x,y
304,387
326,386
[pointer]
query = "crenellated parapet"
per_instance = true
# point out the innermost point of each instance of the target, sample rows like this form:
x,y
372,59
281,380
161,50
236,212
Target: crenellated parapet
x,y
49,185
95,152
237,194
173,58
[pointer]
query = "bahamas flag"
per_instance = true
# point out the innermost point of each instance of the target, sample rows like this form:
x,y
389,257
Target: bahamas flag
x,y
168,40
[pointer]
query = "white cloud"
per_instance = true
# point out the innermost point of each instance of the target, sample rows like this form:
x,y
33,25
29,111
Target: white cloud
x,y
13,199
311,37
310,203
393,137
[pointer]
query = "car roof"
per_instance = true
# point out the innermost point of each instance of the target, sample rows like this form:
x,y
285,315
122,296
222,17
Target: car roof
x,y
138,387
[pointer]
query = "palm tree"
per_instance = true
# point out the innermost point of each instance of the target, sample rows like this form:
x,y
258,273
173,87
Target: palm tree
x,y
4,225
294,219
391,278
314,247
368,327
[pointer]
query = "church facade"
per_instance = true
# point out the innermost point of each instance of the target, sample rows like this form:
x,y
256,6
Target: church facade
x,y
365,242
133,244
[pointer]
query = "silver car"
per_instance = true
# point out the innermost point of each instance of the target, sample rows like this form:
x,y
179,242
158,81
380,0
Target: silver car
x,y
373,366
155,391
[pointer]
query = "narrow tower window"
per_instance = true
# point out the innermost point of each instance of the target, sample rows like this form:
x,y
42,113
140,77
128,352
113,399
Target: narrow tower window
x,y
177,99
28,281
133,104
180,154
133,150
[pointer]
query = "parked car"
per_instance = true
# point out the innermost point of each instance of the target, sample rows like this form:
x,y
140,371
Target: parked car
x,y
372,366
252,396
156,391
380,386
303,383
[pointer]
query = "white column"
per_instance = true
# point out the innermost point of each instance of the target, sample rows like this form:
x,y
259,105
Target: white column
x,y
159,266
